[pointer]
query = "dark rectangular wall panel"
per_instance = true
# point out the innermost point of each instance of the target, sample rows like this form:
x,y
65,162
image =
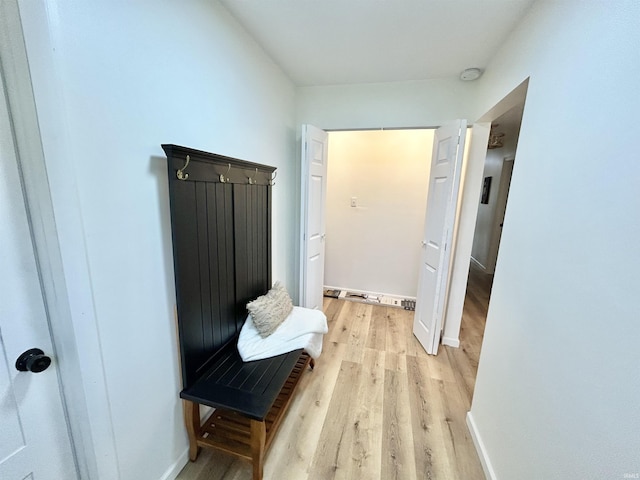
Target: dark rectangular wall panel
x,y
251,233
221,230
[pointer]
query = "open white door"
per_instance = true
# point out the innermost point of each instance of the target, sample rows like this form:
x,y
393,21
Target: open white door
x,y
34,439
444,182
314,191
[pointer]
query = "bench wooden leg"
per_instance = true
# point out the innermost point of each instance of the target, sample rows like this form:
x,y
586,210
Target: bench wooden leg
x,y
258,439
312,363
192,420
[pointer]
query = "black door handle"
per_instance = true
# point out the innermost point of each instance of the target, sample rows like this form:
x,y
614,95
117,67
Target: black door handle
x,y
33,360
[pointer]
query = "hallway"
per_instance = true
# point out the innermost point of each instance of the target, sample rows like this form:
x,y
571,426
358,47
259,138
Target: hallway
x,y
376,406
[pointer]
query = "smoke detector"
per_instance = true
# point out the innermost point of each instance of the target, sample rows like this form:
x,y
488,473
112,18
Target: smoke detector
x,y
470,74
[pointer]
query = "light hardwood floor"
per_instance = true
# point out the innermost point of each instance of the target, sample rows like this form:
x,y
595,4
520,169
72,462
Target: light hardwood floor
x,y
376,407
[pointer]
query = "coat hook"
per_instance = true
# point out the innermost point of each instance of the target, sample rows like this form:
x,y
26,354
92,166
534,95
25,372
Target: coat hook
x,y
224,179
180,173
271,181
252,181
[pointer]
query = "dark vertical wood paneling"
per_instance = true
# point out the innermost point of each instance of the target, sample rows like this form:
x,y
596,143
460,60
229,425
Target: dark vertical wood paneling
x,y
258,237
261,240
214,265
255,234
222,249
202,228
250,240
230,266
241,248
187,273
251,234
269,214
254,285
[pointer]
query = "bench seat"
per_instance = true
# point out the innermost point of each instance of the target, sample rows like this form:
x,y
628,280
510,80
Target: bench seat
x,y
250,400
248,388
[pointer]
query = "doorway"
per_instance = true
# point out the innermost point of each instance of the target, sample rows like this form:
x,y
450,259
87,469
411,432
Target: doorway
x,y
492,205
377,185
372,249
496,178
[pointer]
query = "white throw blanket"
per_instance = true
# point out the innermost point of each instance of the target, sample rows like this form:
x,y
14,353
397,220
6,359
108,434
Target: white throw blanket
x,y
303,328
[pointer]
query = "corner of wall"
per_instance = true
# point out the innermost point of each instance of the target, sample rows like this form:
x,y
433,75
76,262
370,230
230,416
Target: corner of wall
x,y
480,448
175,468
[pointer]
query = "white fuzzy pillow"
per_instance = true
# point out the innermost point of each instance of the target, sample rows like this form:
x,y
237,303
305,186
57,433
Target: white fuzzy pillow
x,y
270,310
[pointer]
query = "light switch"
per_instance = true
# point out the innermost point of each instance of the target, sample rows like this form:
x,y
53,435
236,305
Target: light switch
x,y
354,201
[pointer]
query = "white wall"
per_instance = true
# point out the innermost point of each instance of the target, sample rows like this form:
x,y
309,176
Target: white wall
x,y
375,247
112,81
557,390
557,387
427,103
484,238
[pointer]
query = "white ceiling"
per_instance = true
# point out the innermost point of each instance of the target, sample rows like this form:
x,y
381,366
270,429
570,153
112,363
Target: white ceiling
x,y
328,42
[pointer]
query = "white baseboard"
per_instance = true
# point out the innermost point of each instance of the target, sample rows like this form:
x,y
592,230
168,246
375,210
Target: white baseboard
x,y
482,452
451,341
173,471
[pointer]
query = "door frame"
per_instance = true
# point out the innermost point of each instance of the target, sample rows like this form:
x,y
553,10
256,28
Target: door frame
x,y
464,230
304,208
469,210
303,173
73,329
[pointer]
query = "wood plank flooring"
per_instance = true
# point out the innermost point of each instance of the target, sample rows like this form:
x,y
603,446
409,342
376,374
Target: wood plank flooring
x,y
376,407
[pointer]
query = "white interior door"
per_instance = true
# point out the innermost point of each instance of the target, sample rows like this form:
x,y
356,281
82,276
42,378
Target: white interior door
x,y
314,192
34,439
444,182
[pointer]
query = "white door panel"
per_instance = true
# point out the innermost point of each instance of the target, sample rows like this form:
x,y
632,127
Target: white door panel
x,y
444,182
314,190
12,438
34,439
316,187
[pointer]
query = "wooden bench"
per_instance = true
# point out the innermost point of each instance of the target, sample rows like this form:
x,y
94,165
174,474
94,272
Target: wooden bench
x,y
250,400
221,230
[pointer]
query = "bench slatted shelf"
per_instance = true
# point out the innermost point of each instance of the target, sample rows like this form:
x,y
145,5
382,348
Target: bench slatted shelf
x,y
221,231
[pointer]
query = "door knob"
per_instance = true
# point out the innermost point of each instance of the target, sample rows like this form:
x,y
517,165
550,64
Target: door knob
x,y
33,360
